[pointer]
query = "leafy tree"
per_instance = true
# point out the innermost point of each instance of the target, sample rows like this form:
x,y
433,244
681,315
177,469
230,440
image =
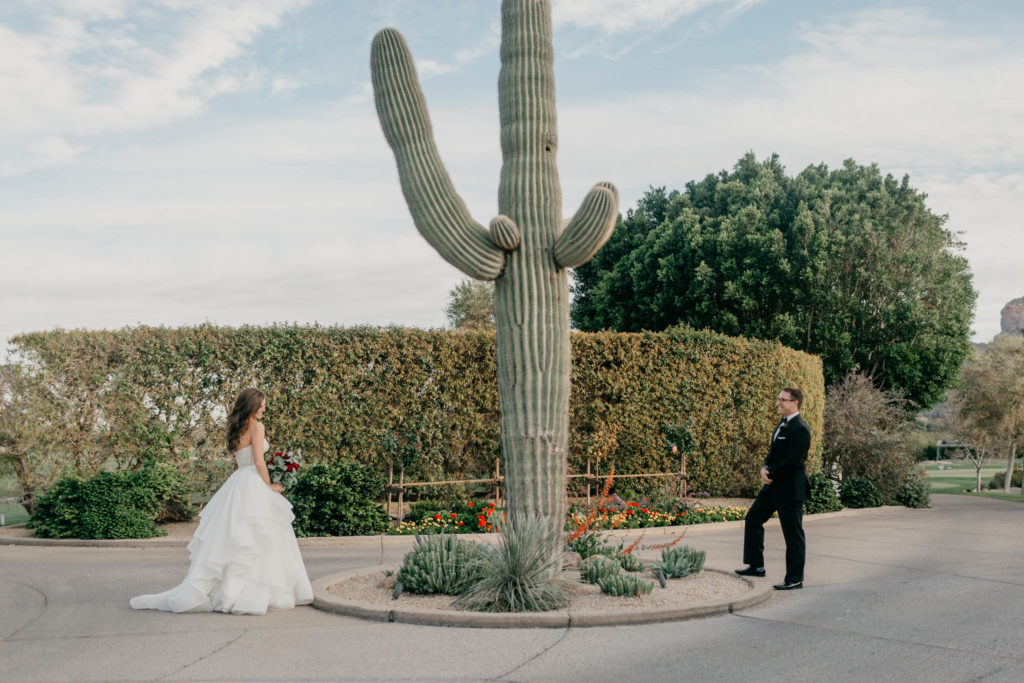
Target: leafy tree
x,y
991,400
471,305
846,264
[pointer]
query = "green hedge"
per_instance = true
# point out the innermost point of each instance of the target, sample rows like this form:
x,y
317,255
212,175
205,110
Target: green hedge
x,y
343,393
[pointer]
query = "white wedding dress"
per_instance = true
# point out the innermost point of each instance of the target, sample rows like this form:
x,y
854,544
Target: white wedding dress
x,y
244,557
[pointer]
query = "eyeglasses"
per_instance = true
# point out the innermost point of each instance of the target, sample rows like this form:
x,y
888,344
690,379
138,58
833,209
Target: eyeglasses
x,y
783,400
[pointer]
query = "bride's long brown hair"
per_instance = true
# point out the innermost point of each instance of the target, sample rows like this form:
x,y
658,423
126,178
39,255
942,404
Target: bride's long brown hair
x,y
246,405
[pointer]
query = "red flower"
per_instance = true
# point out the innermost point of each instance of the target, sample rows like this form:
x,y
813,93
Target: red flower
x,y
646,511
286,456
437,517
490,504
470,503
489,511
481,521
459,523
276,454
454,515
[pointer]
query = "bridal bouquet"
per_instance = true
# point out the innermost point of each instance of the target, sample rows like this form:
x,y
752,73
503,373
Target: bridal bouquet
x,y
282,467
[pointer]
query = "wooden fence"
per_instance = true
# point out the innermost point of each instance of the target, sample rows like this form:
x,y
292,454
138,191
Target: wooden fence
x,y
592,479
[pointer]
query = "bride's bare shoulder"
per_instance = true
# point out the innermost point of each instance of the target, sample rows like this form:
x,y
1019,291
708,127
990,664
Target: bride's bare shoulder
x,y
253,434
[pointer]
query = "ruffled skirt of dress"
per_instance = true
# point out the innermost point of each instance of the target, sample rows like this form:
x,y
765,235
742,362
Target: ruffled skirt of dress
x,y
244,557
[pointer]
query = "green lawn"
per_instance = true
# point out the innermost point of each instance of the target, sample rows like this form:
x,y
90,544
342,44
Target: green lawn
x,y
13,514
958,476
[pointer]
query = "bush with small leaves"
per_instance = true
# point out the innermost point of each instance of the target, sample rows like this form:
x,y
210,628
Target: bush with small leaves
x,y
630,562
338,499
913,490
823,495
625,585
112,504
678,562
442,563
521,574
597,567
858,492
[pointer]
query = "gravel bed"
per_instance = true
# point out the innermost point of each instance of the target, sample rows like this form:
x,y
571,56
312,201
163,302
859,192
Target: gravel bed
x,y
703,587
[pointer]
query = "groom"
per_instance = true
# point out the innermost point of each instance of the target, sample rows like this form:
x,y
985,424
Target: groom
x,y
785,490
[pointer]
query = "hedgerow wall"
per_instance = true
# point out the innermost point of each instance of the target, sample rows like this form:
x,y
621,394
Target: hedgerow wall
x,y
123,396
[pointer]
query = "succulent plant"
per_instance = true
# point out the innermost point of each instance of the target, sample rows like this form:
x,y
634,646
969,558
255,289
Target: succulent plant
x,y
630,562
526,249
441,563
597,567
625,585
680,561
522,574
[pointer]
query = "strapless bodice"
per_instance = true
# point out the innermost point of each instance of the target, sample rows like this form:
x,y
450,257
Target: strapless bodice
x,y
243,456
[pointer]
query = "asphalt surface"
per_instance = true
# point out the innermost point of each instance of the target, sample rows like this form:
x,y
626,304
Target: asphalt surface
x,y
891,595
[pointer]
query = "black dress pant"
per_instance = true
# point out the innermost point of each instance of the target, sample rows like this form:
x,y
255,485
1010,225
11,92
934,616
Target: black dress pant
x,y
791,517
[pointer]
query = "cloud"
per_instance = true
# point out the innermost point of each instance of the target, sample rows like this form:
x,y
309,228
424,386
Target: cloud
x,y
897,87
621,16
76,70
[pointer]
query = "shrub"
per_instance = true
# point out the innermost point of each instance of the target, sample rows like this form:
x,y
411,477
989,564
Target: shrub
x,y
171,490
867,433
823,495
858,492
1000,478
913,491
439,564
109,505
592,543
678,562
625,585
597,567
521,575
338,499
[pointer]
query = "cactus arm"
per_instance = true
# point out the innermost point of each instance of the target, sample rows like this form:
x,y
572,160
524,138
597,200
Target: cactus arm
x,y
590,228
505,233
437,210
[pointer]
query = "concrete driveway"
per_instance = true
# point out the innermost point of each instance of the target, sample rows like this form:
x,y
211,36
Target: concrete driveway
x,y
891,595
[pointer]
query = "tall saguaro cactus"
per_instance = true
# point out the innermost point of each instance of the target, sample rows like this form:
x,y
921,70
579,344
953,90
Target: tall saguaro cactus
x,y
525,250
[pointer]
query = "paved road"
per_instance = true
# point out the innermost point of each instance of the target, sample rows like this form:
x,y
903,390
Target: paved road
x,y
892,595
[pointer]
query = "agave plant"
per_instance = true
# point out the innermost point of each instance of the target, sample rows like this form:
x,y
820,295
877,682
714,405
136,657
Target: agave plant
x,y
521,574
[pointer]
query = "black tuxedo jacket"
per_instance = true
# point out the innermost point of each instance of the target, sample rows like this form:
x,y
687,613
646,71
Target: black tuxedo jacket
x,y
786,462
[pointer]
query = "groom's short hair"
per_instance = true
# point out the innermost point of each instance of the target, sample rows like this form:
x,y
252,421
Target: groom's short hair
x,y
796,394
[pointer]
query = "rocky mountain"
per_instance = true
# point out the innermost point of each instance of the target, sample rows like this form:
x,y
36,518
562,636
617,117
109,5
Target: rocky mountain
x,y
1011,319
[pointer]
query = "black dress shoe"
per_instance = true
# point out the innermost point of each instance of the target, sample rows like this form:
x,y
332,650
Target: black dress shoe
x,y
789,585
750,571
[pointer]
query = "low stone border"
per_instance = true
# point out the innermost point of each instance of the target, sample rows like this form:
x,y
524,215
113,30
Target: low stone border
x,y
323,599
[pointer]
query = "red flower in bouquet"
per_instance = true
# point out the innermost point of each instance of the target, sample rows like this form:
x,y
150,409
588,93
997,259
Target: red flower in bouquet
x,y
282,467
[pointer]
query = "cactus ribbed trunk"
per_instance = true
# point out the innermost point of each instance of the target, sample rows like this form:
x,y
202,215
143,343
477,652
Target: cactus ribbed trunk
x,y
526,249
531,298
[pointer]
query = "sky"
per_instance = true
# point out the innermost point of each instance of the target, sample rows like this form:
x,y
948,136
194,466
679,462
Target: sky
x,y
175,162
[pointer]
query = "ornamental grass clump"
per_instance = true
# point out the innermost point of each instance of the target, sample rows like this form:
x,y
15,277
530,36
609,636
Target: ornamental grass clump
x,y
625,586
522,574
439,564
597,567
680,561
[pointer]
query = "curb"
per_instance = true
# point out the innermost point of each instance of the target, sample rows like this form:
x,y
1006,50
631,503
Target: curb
x,y
324,600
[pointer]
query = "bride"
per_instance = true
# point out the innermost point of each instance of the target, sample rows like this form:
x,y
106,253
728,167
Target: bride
x,y
244,557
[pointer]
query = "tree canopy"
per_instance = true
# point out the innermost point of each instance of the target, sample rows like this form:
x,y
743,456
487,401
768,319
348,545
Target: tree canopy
x,y
845,263
471,305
